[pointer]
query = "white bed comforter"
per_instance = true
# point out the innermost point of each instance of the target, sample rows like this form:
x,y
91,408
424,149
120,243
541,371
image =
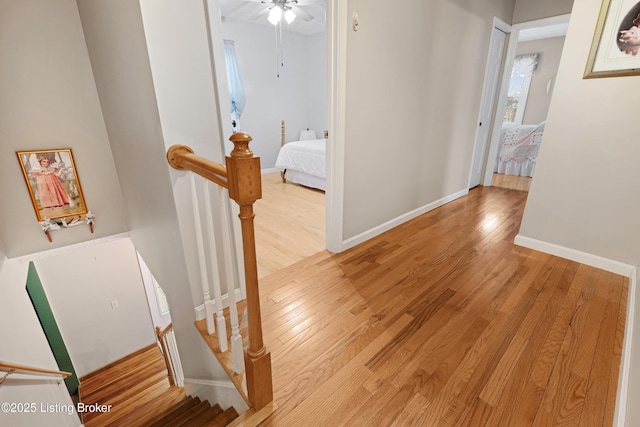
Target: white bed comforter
x,y
304,156
518,151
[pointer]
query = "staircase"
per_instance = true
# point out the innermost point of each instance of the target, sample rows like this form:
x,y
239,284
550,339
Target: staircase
x,y
139,394
193,412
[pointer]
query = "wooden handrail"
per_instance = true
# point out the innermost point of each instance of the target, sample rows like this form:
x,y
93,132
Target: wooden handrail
x,y
12,368
181,157
165,351
242,178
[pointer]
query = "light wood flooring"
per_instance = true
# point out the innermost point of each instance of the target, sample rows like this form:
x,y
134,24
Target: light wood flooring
x,y
289,224
136,388
520,183
443,321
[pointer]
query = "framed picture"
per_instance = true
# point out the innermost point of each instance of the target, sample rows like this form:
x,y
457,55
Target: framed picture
x,y
53,183
615,50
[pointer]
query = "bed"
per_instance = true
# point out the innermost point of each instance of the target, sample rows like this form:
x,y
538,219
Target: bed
x,y
303,161
518,150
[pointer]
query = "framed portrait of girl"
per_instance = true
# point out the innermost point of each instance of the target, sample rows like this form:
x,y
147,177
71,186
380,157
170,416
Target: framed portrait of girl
x,y
53,183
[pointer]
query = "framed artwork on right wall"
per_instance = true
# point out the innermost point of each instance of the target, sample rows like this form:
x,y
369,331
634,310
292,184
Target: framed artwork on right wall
x,y
615,50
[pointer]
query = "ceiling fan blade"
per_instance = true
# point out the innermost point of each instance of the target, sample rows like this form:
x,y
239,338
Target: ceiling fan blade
x,y
302,14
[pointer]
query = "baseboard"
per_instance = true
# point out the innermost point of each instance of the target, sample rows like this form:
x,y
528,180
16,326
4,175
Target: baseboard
x,y
270,170
216,391
225,303
575,255
363,237
622,396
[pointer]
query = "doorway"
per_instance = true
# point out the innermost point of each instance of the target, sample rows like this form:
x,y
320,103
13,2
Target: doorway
x,y
536,34
50,327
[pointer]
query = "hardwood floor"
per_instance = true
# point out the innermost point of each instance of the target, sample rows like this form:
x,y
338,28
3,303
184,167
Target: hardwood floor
x,y
520,183
135,389
443,321
289,224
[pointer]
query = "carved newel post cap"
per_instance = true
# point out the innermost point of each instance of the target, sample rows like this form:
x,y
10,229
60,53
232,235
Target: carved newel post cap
x,y
241,145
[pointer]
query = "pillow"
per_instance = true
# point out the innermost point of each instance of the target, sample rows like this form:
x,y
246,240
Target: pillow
x,y
307,135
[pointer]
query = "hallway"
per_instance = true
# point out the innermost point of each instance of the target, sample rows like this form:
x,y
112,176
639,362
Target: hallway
x,y
444,321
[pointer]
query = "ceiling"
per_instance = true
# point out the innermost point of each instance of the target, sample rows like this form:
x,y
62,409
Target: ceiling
x,y
547,31
310,19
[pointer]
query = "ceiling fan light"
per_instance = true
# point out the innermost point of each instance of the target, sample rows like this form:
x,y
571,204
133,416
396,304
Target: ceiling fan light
x,y
275,15
289,16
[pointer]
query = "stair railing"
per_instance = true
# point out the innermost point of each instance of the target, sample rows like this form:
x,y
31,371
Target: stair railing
x,y
12,368
241,178
169,347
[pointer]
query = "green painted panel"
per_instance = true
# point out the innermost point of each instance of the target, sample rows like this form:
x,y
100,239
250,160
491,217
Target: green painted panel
x,y
50,327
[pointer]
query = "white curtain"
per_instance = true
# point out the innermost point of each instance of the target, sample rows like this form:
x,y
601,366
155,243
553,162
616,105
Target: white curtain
x,y
525,65
236,91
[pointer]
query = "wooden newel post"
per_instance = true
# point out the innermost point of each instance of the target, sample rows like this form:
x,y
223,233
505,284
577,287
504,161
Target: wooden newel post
x,y
245,187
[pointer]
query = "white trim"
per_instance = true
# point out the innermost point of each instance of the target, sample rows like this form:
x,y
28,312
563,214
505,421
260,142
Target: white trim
x,y
362,237
501,25
222,392
505,28
622,396
212,383
337,28
199,310
575,255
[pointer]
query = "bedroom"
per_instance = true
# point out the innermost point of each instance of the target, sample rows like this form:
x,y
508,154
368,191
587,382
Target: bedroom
x,y
283,72
531,86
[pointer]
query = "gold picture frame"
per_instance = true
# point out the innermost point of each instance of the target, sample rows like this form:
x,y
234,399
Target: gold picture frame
x,y
615,49
53,184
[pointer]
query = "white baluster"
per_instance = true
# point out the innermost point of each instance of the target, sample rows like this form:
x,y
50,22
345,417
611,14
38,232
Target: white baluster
x,y
237,350
208,305
217,293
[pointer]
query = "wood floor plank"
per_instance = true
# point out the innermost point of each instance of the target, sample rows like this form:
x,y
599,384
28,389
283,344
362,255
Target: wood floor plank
x,y
444,321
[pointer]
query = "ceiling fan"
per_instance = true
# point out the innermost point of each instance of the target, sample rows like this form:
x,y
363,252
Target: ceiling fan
x,y
287,10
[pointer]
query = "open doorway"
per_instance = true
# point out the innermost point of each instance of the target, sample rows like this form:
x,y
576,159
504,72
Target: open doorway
x,y
283,71
530,67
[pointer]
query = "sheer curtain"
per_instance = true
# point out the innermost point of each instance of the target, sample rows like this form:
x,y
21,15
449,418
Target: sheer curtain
x,y
524,66
236,91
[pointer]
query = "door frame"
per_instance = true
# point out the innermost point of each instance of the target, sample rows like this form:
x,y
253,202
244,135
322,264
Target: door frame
x,y
501,101
337,30
489,90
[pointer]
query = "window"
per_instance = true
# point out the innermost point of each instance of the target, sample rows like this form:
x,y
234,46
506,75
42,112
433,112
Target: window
x,y
523,68
236,91
162,299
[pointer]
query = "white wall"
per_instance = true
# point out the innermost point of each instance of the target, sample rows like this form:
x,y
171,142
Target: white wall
x,y
530,10
80,284
298,96
152,189
49,100
412,104
318,86
584,195
550,50
24,343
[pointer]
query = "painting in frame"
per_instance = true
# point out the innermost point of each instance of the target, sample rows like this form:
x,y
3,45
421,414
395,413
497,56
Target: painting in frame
x,y
53,183
615,50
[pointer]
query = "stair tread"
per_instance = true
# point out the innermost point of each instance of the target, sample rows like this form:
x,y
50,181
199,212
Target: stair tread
x,y
225,417
205,416
193,412
173,412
